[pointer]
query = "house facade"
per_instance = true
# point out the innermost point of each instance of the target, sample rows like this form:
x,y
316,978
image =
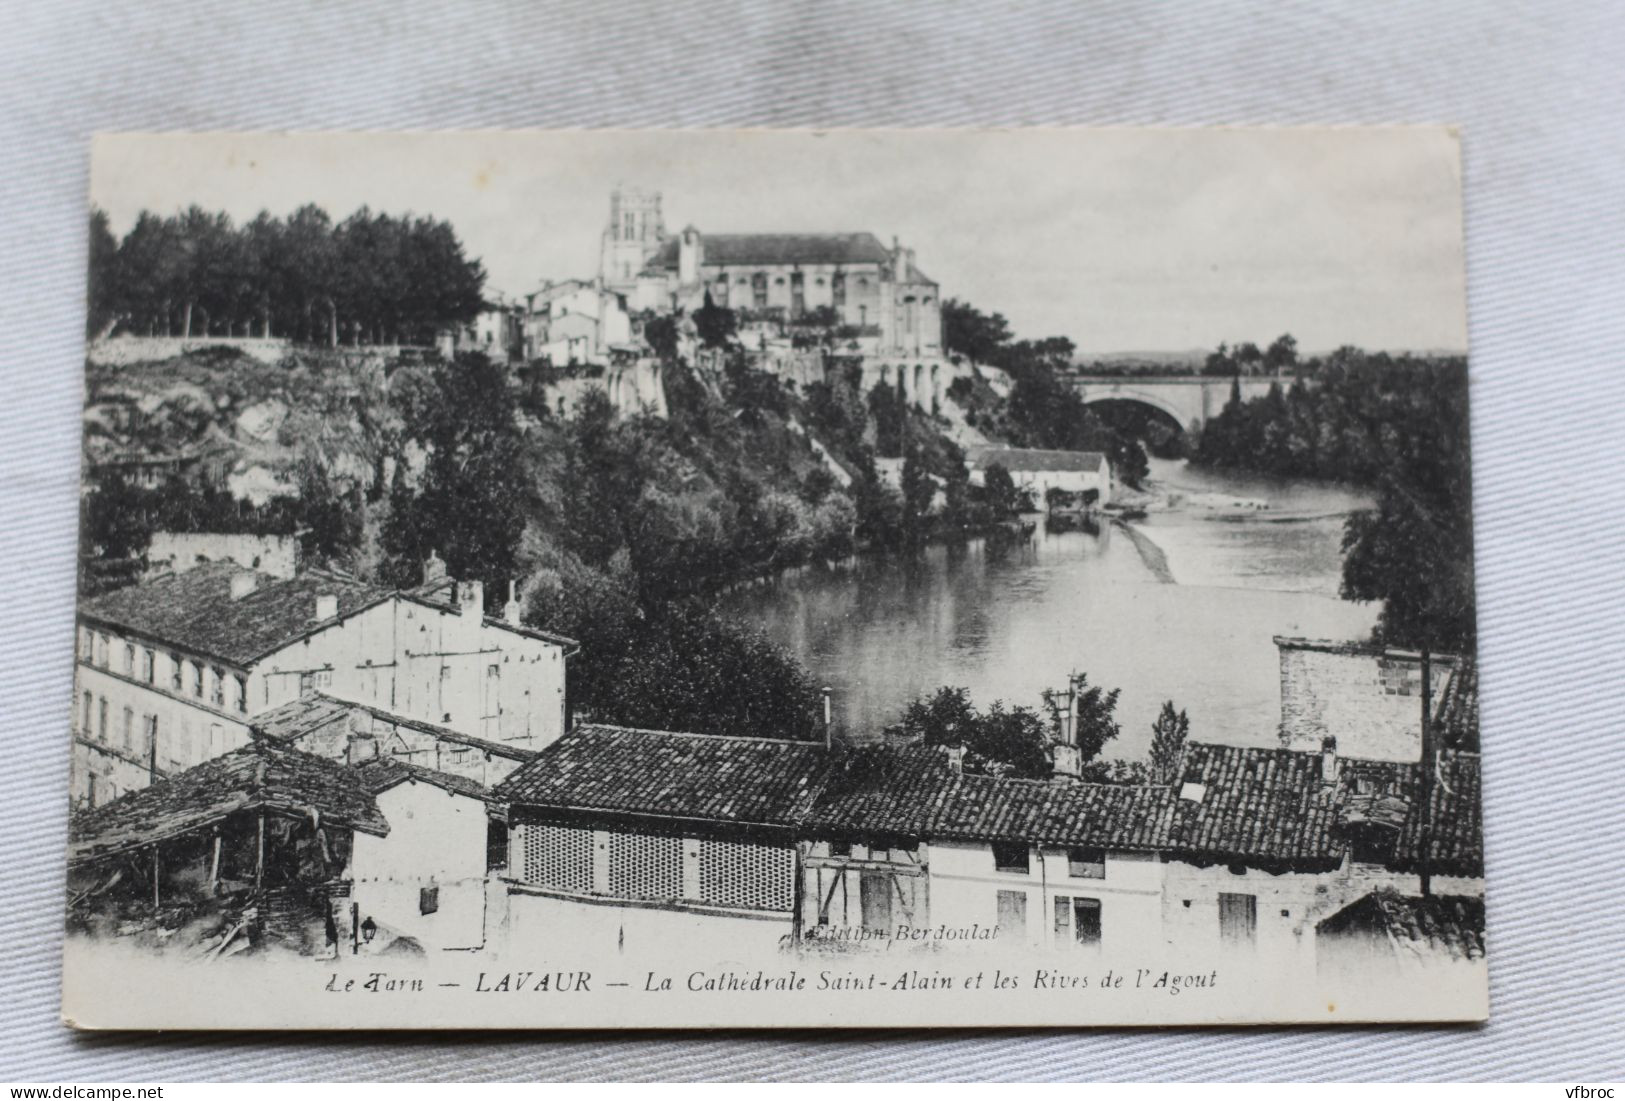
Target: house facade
x,y
1086,474
634,836
172,672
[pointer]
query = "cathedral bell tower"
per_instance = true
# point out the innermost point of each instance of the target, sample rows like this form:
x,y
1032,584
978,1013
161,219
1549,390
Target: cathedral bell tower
x,y
634,234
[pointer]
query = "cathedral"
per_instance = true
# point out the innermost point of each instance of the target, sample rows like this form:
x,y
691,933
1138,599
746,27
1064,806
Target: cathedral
x,y
877,292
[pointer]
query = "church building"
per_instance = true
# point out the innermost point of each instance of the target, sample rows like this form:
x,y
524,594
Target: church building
x,y
874,291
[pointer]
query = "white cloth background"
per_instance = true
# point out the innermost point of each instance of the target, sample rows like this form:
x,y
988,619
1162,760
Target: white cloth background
x,y
1538,88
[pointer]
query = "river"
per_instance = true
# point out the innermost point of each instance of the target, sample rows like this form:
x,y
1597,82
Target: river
x,y
1245,559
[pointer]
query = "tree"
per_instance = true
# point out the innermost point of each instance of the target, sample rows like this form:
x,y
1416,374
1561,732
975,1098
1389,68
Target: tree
x,y
918,492
689,669
660,333
715,325
971,333
1168,734
1282,354
469,508
1000,742
1000,490
102,303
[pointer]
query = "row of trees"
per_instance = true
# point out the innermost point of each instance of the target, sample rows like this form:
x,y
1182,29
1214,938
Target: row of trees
x,y
1399,426
1247,358
1016,741
373,278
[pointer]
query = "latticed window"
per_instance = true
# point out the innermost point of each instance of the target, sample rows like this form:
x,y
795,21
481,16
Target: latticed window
x,y
556,856
754,877
641,866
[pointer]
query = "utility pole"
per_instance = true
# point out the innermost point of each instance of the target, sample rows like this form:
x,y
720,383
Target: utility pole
x,y
1425,833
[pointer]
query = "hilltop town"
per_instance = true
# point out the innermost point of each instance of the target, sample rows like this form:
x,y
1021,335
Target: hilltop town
x,y
396,633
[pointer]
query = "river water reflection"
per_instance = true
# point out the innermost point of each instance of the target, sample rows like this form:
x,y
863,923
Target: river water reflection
x,y
1007,621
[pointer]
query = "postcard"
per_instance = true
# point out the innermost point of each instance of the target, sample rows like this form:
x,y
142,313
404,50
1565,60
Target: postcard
x,y
687,579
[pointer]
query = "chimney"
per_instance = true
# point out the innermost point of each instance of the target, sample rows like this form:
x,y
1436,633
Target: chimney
x,y
956,758
244,583
471,598
1328,760
434,569
512,609
899,261
829,719
360,748
327,607
1066,761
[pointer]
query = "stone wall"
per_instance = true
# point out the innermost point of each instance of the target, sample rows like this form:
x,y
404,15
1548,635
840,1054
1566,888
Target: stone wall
x,y
1369,699
179,551
121,351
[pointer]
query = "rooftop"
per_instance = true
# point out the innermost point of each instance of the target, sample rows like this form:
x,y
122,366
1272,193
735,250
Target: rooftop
x,y
1016,459
382,773
779,248
1451,924
195,610
696,776
315,712
259,776
1261,806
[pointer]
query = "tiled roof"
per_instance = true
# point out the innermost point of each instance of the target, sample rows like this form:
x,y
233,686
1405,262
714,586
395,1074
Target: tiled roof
x,y
299,718
778,248
618,770
916,794
1016,459
195,611
1259,806
1452,924
315,711
382,773
258,776
1457,713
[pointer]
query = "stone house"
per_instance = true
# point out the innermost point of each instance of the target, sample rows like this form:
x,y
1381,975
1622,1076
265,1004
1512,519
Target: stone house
x,y
172,671
1087,474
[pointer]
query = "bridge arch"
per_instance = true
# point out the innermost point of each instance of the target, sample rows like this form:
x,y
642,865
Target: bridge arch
x,y
1181,417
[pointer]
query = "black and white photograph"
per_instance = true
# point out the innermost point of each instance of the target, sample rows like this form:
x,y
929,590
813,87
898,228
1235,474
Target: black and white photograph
x,y
685,579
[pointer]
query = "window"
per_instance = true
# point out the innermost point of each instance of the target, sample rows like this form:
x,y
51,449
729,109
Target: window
x,y
1077,921
1086,863
1013,913
428,899
129,658
217,688
101,719
175,672
129,729
149,736
840,848
87,643
197,680
874,893
149,664
496,845
84,715
239,695
101,649
1009,857
1238,918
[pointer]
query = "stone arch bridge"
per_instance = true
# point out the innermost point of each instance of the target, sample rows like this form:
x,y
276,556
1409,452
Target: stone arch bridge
x,y
1189,399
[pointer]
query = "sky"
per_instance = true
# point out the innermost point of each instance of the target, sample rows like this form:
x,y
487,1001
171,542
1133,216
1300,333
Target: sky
x,y
1122,239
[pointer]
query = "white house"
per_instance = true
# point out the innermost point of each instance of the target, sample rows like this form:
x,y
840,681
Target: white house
x,y
635,836
576,322
173,671
425,878
1086,473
